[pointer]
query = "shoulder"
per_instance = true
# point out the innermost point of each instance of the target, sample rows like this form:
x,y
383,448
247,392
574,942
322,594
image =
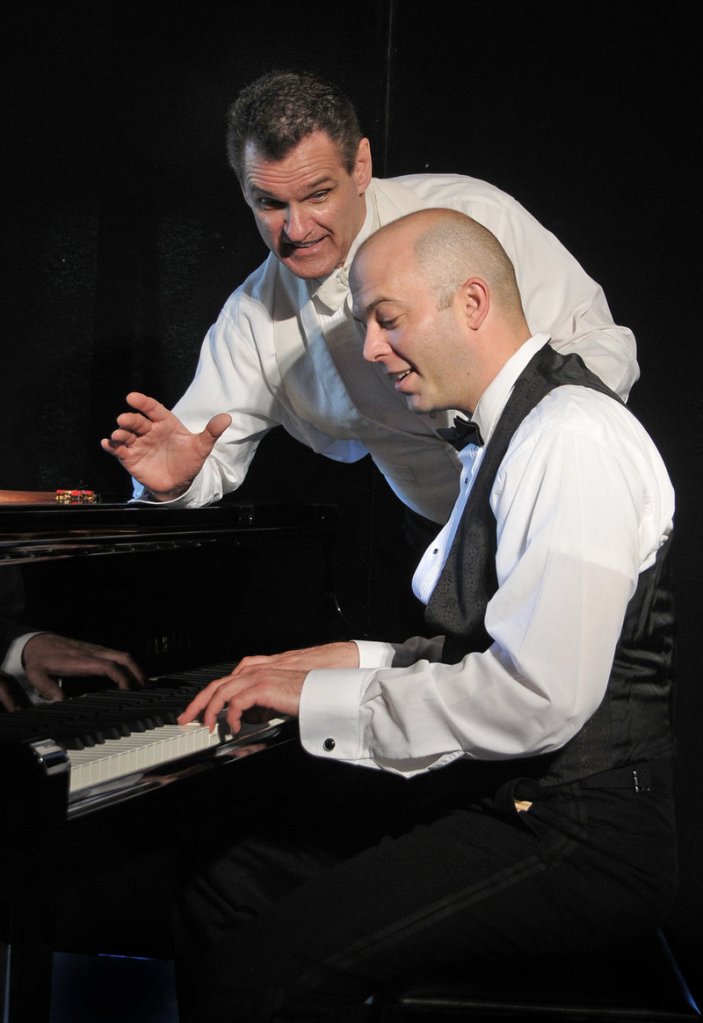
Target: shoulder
x,y
575,426
500,212
257,292
453,190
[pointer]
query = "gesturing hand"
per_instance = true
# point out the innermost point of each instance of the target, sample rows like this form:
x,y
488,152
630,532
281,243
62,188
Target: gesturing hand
x,y
156,448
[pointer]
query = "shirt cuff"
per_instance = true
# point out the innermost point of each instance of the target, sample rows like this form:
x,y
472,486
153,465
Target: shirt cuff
x,y
375,655
330,705
12,662
141,495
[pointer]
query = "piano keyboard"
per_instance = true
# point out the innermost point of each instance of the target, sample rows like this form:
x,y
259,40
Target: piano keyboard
x,y
113,738
117,758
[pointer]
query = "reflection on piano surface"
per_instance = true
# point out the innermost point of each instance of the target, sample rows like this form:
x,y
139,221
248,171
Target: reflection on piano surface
x,y
178,589
112,745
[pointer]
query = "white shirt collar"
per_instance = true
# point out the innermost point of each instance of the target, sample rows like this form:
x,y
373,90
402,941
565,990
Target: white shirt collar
x,y
333,290
495,397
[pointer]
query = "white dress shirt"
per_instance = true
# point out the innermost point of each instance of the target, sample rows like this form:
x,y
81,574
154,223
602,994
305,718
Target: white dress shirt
x,y
287,351
582,503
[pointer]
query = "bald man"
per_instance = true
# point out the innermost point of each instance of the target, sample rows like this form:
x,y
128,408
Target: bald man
x,y
519,802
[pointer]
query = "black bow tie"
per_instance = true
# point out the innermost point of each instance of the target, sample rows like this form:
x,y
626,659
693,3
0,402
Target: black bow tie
x,y
464,431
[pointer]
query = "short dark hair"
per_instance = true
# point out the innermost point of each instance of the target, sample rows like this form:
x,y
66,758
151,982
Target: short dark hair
x,y
281,108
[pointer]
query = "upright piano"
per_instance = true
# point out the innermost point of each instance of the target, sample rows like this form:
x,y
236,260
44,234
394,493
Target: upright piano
x,y
92,789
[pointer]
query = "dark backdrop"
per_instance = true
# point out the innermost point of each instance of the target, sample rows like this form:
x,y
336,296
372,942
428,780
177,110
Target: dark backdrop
x,y
125,232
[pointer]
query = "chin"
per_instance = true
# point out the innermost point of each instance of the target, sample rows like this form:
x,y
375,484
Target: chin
x,y
417,405
308,271
322,264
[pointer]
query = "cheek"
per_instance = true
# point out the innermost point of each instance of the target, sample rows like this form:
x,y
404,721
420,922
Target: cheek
x,y
265,227
337,217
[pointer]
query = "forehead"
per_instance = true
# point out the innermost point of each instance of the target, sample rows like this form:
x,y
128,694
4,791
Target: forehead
x,y
385,271
315,160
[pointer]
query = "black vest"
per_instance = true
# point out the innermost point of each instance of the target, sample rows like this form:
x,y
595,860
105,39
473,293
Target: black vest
x,y
632,723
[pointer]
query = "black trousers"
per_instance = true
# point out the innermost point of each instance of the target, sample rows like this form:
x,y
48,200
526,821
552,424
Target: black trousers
x,y
366,878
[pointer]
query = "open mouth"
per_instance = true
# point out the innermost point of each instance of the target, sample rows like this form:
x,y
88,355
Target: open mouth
x,y
292,247
398,377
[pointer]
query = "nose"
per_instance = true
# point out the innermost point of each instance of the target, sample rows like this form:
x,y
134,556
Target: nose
x,y
297,225
375,345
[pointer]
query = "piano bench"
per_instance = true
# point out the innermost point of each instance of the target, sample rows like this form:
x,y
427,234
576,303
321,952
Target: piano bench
x,y
642,984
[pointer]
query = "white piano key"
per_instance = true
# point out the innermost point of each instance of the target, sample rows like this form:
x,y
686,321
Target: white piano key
x,y
137,752
140,751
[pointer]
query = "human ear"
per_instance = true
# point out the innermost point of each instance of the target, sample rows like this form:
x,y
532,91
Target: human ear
x,y
476,301
363,166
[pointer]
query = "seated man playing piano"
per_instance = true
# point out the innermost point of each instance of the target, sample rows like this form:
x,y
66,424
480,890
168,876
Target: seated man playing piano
x,y
518,799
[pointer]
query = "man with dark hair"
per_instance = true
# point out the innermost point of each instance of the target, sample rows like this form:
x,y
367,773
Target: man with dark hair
x,y
519,800
277,111
285,349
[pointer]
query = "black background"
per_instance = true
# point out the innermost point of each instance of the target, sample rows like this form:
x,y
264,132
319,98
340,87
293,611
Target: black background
x,y
124,230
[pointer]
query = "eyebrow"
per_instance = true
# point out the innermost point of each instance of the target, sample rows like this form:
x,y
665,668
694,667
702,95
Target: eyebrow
x,y
378,301
309,188
367,310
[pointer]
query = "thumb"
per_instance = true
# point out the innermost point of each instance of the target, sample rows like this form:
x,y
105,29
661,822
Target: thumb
x,y
217,425
44,684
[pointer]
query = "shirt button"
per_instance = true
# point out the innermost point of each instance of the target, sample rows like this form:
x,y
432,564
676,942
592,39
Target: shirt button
x,y
329,745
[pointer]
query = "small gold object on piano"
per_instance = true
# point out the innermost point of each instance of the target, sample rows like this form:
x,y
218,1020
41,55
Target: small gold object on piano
x,y
76,497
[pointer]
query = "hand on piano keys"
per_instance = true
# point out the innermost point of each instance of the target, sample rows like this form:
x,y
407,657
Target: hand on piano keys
x,y
47,658
114,745
269,683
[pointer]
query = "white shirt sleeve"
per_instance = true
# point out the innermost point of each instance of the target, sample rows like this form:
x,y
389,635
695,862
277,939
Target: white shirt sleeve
x,y
240,372
560,298
229,378
558,295
580,512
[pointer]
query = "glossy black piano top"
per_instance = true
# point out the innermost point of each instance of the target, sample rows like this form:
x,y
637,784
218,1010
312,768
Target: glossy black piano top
x,y
41,531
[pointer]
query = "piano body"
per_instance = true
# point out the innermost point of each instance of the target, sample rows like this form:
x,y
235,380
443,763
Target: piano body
x,y
96,791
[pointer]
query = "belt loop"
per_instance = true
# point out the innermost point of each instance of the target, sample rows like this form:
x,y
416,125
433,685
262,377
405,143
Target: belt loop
x,y
641,780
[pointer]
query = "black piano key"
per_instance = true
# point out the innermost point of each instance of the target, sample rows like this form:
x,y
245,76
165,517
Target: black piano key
x,y
28,726
90,718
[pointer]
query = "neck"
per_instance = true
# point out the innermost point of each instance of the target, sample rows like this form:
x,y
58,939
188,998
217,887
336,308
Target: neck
x,y
493,351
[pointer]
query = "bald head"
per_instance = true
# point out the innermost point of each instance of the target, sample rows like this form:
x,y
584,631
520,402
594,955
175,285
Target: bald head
x,y
441,307
449,248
